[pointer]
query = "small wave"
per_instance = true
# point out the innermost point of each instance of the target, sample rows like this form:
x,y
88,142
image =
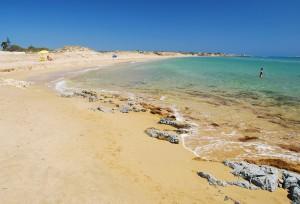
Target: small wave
x,y
162,98
177,115
60,86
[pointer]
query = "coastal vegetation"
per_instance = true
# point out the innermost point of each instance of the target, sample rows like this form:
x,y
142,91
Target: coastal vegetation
x,y
7,46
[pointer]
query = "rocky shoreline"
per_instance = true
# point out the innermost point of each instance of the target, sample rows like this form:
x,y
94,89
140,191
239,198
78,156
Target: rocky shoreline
x,y
116,102
254,176
259,177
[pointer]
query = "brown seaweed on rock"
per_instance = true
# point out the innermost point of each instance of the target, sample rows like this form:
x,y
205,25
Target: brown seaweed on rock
x,y
166,112
247,138
279,163
290,147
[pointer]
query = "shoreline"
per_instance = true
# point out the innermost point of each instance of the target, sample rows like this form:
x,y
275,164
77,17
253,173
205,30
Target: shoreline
x,y
67,153
264,150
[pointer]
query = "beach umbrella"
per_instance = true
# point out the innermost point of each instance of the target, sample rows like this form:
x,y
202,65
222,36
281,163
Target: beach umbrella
x,y
42,54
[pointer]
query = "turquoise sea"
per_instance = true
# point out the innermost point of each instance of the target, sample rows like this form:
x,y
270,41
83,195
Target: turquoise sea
x,y
226,90
232,75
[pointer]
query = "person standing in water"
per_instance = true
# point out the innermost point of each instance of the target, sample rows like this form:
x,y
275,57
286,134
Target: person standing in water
x,y
261,73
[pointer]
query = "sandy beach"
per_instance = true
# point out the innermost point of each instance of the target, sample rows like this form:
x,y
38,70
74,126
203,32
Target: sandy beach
x,y
59,150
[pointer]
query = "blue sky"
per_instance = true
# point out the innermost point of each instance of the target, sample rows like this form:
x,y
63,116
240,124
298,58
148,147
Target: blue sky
x,y
265,27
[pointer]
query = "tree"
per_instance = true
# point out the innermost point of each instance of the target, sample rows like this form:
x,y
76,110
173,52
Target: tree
x,y
5,44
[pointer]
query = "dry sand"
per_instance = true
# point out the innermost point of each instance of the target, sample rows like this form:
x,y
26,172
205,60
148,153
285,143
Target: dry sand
x,y
56,150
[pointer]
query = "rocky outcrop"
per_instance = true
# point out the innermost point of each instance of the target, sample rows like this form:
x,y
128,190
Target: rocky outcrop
x,y
91,95
291,182
162,135
132,106
265,177
211,179
268,178
216,182
242,184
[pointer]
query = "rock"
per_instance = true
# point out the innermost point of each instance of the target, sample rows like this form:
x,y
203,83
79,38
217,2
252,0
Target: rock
x,y
125,109
242,184
291,182
163,135
104,109
86,94
92,99
294,194
138,108
231,199
182,131
215,124
155,111
66,95
174,123
165,112
265,177
131,103
290,179
123,99
212,180
89,93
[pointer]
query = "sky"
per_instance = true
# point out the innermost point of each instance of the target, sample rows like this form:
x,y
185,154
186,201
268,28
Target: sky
x,y
254,27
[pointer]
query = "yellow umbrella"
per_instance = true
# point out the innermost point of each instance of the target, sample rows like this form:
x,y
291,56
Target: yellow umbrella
x,y
42,52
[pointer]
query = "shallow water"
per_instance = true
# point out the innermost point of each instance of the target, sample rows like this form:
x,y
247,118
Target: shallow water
x,y
219,90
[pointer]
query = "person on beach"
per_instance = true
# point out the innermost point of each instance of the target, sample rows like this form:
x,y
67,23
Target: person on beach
x,y
261,73
49,58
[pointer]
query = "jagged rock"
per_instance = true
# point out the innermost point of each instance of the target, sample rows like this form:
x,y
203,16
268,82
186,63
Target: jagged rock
x,y
174,123
265,177
294,194
291,181
163,135
212,180
242,184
